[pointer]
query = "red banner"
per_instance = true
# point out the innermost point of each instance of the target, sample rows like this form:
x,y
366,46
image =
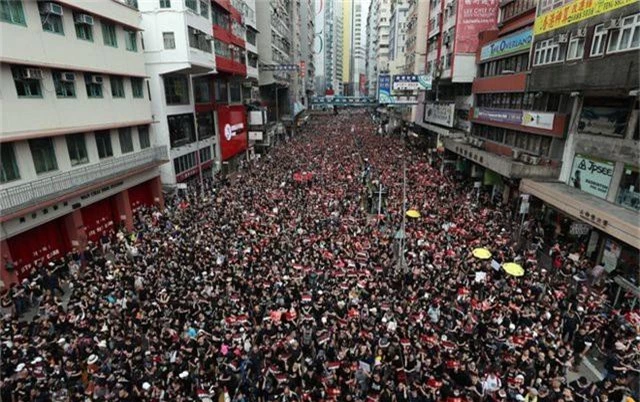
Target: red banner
x,y
232,125
363,83
474,16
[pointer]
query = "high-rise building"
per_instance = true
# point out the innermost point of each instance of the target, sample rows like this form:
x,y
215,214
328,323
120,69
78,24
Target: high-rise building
x,y
398,36
378,24
307,37
78,150
329,47
416,37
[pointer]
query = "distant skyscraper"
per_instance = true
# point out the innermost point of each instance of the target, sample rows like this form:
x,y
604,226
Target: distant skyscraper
x,y
329,46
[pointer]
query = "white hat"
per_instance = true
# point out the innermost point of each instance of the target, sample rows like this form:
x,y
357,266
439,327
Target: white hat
x,y
580,309
62,341
146,386
184,374
93,359
20,367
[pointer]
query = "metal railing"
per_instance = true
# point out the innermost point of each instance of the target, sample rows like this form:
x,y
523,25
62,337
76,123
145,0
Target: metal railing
x,y
31,193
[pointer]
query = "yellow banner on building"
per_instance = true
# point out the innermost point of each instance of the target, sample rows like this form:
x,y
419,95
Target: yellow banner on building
x,y
578,10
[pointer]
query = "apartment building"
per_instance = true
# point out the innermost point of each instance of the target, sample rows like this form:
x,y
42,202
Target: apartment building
x,y
79,152
588,52
398,36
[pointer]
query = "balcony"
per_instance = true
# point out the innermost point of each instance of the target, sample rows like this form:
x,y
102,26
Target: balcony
x,y
64,184
503,165
230,66
224,35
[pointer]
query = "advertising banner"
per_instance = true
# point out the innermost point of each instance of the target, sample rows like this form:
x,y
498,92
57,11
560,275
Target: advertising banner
x,y
474,16
279,67
232,126
362,83
513,43
255,135
591,176
538,120
575,11
440,113
603,120
384,88
411,82
498,115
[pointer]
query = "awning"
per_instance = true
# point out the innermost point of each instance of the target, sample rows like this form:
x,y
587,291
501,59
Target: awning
x,y
617,221
436,129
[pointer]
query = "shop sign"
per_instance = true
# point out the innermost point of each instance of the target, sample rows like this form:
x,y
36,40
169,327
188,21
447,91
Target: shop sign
x,y
538,120
411,82
603,120
576,11
474,16
579,229
255,135
440,113
591,176
498,115
516,42
593,219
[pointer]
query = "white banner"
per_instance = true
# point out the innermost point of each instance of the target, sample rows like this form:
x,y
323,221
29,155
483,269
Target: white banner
x,y
255,136
440,113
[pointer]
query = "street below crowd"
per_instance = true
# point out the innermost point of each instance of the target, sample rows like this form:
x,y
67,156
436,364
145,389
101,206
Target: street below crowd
x,y
286,284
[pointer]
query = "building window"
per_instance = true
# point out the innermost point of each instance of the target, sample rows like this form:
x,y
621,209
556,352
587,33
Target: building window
x,y
126,141
576,48
93,83
548,52
191,5
9,163
11,11
143,137
77,149
627,37
165,3
205,154
221,92
43,154
136,87
598,41
176,89
103,143
629,193
205,125
51,18
169,40
27,86
235,92
199,40
131,40
84,30
251,37
204,9
109,34
220,17
117,87
222,49
64,84
181,129
202,93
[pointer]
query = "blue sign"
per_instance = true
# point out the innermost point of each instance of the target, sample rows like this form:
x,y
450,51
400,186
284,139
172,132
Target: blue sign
x,y
410,82
513,43
384,88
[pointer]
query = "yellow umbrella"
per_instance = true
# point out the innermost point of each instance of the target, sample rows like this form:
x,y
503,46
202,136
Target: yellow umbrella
x,y
412,213
513,269
481,253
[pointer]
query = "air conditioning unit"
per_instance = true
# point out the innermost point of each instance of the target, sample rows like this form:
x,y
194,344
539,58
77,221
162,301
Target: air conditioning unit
x,y
51,8
613,24
515,155
209,37
85,19
31,74
67,77
96,79
524,157
563,38
446,40
534,160
580,33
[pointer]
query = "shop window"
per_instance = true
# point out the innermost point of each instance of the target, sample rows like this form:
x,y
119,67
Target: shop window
x,y
181,129
103,143
627,37
143,137
8,163
598,41
206,128
176,89
77,148
43,154
126,140
65,88
11,11
629,192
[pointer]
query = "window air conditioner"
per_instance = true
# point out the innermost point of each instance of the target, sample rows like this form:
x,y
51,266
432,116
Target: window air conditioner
x,y
515,155
581,33
51,8
96,79
534,160
83,19
31,74
563,38
67,77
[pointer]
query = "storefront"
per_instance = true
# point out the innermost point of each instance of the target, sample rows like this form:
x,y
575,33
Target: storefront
x,y
46,242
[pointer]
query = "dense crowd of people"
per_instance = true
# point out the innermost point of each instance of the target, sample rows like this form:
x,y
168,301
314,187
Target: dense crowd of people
x,y
281,286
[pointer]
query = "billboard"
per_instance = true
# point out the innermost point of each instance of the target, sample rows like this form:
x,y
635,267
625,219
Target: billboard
x,y
440,113
591,175
410,82
538,120
603,120
509,44
575,11
525,118
232,126
384,88
474,16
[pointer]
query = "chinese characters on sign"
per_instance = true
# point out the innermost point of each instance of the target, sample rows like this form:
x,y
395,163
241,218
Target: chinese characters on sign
x,y
474,16
575,11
